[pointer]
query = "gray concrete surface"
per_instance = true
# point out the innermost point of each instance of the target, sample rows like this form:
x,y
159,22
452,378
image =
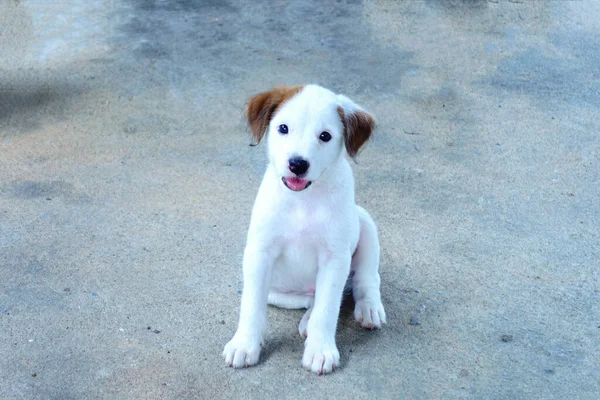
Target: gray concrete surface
x,y
126,184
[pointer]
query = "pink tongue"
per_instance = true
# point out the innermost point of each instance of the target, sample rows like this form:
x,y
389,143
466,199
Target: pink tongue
x,y
296,183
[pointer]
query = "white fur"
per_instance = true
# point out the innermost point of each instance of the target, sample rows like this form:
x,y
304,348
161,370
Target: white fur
x,y
302,246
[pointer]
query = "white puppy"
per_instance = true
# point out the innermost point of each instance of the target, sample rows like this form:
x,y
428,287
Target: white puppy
x,y
307,239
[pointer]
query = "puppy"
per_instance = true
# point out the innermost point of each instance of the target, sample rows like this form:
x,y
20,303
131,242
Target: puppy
x,y
308,240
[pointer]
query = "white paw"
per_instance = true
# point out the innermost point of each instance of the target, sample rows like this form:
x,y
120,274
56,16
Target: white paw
x,y
370,314
241,352
321,357
304,323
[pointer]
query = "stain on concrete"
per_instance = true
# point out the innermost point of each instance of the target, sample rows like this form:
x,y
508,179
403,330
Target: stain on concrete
x,y
158,29
218,40
459,6
20,106
571,78
31,190
20,100
25,107
182,5
49,191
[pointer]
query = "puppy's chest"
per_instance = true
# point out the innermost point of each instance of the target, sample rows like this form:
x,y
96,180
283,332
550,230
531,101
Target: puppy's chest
x,y
305,224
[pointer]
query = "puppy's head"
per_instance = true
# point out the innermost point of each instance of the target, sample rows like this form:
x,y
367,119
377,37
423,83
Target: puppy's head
x,y
309,128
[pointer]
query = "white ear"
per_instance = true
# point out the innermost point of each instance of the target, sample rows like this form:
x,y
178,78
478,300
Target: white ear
x,y
348,105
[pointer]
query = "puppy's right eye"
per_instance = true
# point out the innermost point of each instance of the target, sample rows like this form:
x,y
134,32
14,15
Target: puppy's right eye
x,y
283,129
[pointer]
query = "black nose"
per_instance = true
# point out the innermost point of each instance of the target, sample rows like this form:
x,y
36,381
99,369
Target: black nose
x,y
298,165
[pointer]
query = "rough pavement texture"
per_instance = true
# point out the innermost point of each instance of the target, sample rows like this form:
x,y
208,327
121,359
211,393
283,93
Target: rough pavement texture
x,y
126,185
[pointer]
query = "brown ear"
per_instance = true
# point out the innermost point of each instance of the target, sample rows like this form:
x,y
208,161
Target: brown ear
x,y
262,108
358,127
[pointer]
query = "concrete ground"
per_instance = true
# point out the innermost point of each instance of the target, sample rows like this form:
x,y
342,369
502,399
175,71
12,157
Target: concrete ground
x,y
126,185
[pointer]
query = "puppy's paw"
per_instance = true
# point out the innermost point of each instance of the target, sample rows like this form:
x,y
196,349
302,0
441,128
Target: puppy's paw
x,y
370,314
320,357
241,352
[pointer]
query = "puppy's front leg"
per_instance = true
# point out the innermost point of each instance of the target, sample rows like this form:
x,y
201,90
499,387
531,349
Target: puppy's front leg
x,y
243,349
321,354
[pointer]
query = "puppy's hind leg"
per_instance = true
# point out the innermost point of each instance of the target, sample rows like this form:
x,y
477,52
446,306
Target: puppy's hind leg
x,y
368,311
304,323
293,301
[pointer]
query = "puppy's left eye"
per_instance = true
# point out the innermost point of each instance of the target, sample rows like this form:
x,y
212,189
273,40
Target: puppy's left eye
x,y
325,136
283,129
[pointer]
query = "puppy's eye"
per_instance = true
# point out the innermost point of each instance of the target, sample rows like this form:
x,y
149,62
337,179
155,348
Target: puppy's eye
x,y
325,136
283,129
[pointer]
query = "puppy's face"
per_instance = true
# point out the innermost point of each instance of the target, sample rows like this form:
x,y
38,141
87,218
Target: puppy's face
x,y
308,129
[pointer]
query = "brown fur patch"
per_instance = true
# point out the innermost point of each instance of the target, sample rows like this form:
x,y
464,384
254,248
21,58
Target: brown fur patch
x,y
358,127
262,107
